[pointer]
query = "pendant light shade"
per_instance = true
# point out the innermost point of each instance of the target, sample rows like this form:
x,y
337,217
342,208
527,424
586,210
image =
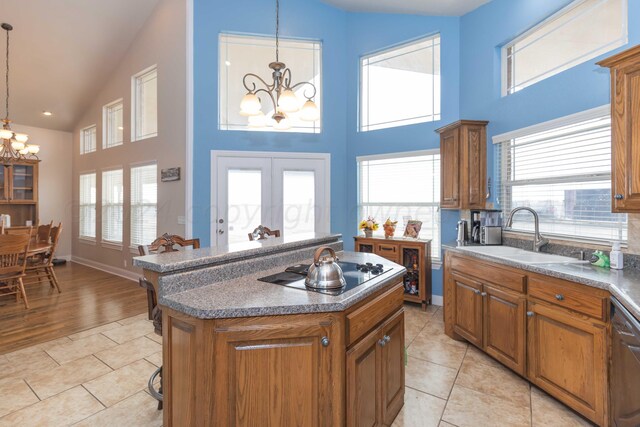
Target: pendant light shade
x,y
6,134
288,102
309,111
258,121
250,105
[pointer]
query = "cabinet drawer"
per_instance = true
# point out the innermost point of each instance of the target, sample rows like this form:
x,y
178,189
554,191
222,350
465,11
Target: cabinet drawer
x,y
388,251
364,318
574,296
490,273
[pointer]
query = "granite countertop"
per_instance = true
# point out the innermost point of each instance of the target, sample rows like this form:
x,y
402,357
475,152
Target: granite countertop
x,y
623,284
183,260
248,297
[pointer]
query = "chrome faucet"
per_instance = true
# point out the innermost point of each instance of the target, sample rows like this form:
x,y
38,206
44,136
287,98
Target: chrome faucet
x,y
538,240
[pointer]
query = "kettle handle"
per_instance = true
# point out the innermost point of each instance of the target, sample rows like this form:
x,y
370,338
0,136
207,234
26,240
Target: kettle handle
x,y
320,250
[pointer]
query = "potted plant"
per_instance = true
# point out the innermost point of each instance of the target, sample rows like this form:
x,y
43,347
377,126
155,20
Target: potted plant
x,y
368,225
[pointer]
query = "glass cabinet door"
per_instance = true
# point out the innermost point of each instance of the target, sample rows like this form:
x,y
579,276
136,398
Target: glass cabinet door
x,y
3,183
22,183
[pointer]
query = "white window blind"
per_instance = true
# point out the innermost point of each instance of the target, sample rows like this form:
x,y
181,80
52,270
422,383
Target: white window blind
x,y
88,140
144,204
87,213
578,33
564,173
112,201
145,104
112,124
402,185
401,86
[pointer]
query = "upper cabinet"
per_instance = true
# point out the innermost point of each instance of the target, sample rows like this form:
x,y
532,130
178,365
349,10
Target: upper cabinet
x,y
463,164
625,130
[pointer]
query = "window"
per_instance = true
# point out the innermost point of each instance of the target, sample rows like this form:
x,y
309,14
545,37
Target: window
x,y
87,214
144,204
113,125
401,86
402,186
562,169
240,55
112,200
88,140
145,104
582,31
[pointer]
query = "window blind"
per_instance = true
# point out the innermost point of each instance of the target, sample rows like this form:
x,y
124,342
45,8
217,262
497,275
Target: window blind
x,y
564,173
88,140
112,201
113,125
144,202
146,104
402,186
87,213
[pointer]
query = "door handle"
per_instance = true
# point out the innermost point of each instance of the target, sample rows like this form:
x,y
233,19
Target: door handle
x,y
221,221
325,341
220,231
618,197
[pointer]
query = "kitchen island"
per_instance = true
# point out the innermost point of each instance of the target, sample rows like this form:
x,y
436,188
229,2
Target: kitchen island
x,y
238,351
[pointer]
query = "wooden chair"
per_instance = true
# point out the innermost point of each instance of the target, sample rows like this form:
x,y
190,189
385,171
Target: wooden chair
x,y
163,244
261,231
17,231
43,232
39,267
13,261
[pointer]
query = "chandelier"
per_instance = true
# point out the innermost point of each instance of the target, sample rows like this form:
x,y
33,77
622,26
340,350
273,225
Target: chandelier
x,y
280,92
14,145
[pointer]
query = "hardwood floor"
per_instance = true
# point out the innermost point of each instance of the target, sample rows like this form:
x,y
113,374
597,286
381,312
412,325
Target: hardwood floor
x,y
89,298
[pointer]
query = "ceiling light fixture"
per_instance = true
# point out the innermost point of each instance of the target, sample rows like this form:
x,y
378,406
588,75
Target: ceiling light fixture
x,y
14,145
280,91
47,113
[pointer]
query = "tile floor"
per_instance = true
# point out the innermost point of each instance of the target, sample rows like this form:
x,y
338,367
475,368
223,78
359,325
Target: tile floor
x,y
99,378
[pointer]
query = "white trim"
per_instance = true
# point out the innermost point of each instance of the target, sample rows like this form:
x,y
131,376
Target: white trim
x,y
188,173
121,272
398,155
437,300
594,113
82,139
134,100
104,123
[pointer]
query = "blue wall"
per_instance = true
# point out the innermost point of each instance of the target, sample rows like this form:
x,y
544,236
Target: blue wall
x,y
301,19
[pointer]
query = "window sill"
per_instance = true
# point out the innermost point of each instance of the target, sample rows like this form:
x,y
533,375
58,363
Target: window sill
x,y
564,241
111,245
87,240
142,138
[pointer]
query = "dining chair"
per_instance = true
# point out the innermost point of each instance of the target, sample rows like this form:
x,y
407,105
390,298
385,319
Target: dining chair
x,y
39,267
43,232
16,231
13,261
163,244
261,231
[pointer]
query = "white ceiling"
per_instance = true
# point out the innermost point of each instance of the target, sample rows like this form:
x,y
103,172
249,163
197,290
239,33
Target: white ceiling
x,y
62,52
417,7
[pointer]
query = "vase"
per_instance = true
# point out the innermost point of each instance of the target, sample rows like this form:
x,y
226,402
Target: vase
x,y
389,231
368,233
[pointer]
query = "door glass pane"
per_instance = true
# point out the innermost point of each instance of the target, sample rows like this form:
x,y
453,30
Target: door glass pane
x,y
3,177
22,182
298,202
245,203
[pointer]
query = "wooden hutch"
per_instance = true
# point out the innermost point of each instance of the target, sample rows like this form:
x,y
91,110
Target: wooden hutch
x,y
19,190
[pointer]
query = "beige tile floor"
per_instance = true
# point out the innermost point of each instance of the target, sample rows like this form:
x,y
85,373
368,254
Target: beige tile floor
x,y
99,378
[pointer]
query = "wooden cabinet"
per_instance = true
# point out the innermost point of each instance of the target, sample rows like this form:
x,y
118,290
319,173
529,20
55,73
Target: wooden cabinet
x,y
463,164
19,191
625,130
568,359
414,255
375,375
559,344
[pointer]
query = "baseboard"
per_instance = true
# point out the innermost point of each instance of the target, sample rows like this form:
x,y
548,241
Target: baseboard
x,y
64,257
126,274
437,300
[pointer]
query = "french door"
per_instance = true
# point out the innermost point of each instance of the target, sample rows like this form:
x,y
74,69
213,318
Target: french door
x,y
284,191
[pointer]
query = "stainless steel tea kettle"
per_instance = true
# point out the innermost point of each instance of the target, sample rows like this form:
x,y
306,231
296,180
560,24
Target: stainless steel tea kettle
x,y
325,273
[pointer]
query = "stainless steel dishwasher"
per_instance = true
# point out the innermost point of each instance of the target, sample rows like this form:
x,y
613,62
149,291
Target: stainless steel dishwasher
x,y
625,367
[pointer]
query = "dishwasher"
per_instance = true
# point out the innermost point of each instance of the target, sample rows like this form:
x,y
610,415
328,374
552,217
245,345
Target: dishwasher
x,y
625,367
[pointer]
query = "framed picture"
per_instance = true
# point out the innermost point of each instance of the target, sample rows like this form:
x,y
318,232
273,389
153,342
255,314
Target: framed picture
x,y
170,174
412,230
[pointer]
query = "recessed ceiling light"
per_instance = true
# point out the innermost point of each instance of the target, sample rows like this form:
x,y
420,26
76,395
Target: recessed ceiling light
x,y
120,128
227,63
47,113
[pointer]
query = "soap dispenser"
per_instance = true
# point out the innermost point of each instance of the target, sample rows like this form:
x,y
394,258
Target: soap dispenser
x,y
616,260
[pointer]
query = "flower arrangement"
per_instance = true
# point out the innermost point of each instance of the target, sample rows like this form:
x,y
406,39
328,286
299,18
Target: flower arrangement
x,y
368,225
389,228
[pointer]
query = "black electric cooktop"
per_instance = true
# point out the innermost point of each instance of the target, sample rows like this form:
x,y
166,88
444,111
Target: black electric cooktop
x,y
354,274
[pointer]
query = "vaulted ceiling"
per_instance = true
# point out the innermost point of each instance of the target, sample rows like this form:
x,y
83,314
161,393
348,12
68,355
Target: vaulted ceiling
x,y
419,7
62,52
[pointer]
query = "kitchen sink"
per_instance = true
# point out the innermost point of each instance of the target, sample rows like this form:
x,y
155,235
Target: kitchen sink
x,y
522,256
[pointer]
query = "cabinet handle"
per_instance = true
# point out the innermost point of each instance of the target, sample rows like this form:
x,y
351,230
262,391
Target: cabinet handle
x,y
484,294
386,338
618,197
477,292
559,297
325,341
382,342
530,313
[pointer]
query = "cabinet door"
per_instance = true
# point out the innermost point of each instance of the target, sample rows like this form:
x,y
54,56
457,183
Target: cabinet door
x,y
567,358
473,167
364,381
467,308
449,169
23,183
392,367
625,159
4,183
504,327
280,372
